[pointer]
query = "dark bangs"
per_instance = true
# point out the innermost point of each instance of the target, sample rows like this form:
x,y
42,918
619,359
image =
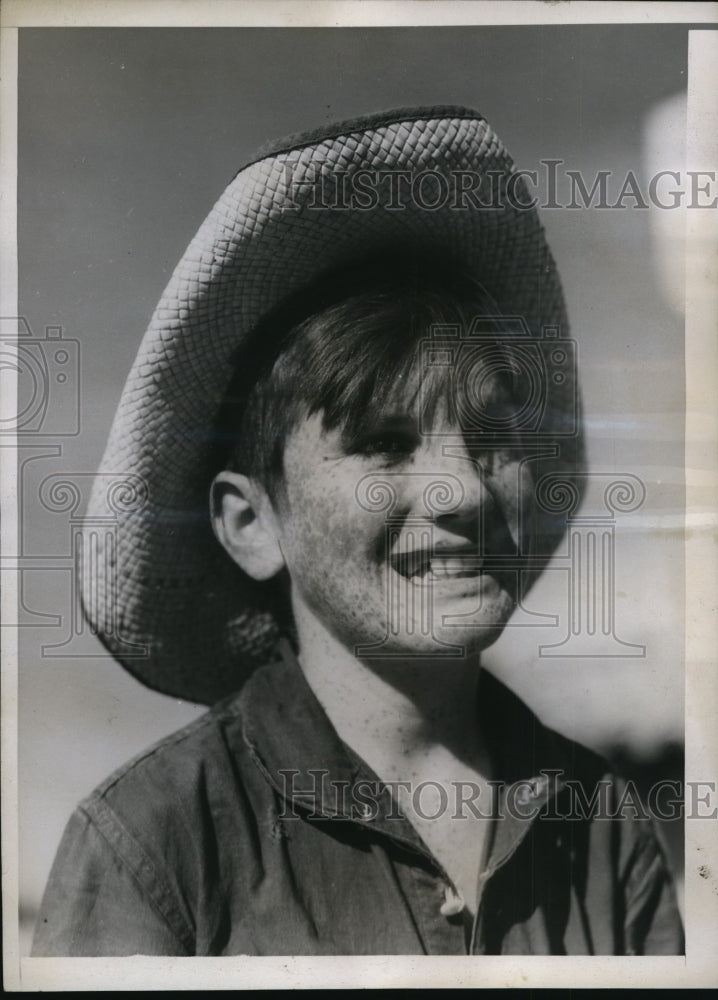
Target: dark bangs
x,y
352,349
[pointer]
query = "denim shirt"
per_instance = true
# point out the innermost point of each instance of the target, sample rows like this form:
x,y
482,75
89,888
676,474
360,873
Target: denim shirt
x,y
255,830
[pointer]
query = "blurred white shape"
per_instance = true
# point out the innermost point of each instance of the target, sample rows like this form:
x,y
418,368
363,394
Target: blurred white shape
x,y
664,149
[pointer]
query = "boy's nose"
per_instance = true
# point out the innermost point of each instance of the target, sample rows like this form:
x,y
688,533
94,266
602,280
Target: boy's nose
x,y
458,480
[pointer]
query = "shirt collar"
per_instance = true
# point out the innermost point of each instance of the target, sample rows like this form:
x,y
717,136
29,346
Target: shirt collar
x,y
295,745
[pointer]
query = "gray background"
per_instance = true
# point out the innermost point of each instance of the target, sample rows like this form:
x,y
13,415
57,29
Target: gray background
x,y
126,138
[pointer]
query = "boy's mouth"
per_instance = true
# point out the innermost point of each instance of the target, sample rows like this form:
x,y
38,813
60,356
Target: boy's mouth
x,y
422,566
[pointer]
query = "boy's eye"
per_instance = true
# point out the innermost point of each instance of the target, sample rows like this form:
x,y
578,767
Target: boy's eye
x,y
391,445
386,446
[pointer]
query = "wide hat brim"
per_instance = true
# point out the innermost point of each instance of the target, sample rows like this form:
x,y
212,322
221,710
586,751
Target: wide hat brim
x,y
160,592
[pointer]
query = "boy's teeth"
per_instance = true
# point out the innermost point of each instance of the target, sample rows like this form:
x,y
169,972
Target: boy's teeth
x,y
445,567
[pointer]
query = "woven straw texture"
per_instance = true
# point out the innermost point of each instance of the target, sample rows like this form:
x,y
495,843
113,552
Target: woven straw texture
x,y
161,593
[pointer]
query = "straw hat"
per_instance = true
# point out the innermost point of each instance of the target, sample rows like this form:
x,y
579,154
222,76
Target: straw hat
x,y
158,589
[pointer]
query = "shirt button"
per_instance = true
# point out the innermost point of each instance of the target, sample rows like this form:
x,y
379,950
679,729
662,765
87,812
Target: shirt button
x,y
533,789
523,796
453,902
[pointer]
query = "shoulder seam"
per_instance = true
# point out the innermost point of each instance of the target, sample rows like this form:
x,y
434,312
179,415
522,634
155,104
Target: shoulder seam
x,y
143,870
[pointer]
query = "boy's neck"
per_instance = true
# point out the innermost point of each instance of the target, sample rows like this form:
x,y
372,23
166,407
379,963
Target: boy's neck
x,y
405,718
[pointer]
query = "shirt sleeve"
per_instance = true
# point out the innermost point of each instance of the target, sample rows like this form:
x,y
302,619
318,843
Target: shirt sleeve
x,y
652,923
103,897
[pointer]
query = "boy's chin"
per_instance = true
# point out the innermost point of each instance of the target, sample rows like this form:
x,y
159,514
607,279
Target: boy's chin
x,y
446,643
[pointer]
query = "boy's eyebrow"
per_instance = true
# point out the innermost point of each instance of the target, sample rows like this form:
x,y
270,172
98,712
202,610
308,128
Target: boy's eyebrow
x,y
399,420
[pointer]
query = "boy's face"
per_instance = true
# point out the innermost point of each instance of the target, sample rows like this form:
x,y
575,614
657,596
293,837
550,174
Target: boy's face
x,y
392,540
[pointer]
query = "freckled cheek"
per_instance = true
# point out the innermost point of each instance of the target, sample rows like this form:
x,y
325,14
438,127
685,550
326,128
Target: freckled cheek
x,y
328,524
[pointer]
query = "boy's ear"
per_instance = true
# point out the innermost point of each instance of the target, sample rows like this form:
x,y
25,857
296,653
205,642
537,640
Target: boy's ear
x,y
244,522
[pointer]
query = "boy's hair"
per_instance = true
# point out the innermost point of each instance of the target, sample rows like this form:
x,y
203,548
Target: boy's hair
x,y
350,347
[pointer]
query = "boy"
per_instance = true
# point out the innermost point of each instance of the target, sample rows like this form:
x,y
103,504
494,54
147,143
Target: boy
x,y
348,363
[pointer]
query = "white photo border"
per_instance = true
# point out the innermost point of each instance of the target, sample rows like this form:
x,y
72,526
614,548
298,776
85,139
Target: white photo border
x,y
700,966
